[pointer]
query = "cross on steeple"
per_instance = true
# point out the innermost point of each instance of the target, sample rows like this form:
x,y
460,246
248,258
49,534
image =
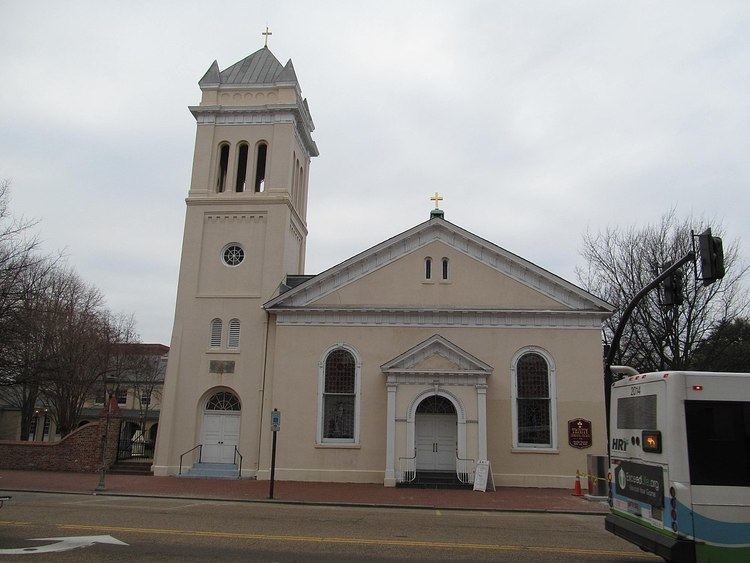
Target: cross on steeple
x,y
437,198
267,33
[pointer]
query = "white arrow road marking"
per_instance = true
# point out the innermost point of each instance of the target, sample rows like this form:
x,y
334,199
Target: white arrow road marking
x,y
62,544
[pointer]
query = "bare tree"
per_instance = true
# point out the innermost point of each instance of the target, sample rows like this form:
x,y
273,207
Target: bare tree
x,y
621,262
26,350
81,336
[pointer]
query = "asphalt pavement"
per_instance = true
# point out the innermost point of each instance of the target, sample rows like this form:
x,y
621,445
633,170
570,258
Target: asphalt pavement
x,y
188,530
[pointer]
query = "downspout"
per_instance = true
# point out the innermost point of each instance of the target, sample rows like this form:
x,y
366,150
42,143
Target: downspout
x,y
263,392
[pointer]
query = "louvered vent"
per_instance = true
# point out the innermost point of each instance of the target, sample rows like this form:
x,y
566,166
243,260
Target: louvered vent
x,y
215,333
234,334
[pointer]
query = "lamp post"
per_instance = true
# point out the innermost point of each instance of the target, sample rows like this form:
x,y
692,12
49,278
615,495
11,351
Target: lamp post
x,y
105,433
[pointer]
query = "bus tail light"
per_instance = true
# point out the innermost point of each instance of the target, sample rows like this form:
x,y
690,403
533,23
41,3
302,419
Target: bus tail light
x,y
697,387
651,440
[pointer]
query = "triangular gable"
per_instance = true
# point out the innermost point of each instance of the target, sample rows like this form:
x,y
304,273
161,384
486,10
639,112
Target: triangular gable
x,y
415,359
460,239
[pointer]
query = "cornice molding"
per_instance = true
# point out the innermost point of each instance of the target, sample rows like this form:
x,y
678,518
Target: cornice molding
x,y
475,318
269,114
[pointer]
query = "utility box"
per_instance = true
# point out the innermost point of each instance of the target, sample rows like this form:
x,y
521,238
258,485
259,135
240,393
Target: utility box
x,y
596,467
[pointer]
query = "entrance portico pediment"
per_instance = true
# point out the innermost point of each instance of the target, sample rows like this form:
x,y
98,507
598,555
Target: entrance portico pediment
x,y
436,358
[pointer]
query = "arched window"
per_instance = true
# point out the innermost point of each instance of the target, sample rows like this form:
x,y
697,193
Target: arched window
x,y
533,388
241,167
428,268
260,167
233,340
221,176
223,401
215,333
339,397
445,268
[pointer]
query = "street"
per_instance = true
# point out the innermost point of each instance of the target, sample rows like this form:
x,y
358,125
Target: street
x,y
177,529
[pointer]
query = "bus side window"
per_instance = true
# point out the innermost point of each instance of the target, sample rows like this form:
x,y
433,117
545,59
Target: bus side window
x,y
718,440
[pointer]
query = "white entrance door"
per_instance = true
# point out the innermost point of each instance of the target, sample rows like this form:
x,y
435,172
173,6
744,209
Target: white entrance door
x,y
221,433
435,440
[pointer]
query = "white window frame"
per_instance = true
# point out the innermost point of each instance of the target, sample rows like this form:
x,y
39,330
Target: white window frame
x,y
321,391
552,380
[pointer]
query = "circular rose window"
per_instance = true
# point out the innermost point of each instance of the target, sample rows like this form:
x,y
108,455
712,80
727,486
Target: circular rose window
x,y
233,255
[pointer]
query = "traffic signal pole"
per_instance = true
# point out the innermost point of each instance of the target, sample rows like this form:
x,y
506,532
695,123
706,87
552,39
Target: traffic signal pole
x,y
615,346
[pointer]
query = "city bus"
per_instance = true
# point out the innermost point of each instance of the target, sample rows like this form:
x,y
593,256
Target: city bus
x,y
679,474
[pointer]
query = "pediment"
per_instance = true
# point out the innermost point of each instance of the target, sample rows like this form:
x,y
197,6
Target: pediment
x,y
554,289
436,355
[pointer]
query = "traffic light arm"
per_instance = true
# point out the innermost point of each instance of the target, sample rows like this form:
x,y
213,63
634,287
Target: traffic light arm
x,y
615,346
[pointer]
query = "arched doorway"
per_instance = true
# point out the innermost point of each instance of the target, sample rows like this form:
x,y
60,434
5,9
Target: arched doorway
x,y
221,427
436,435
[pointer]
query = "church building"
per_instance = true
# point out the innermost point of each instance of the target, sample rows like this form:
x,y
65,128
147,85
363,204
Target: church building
x,y
423,354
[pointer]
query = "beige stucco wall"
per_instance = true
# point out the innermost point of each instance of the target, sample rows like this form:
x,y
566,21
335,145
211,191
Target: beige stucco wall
x,y
576,354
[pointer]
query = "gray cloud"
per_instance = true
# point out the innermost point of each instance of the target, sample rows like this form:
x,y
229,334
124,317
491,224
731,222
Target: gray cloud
x,y
536,120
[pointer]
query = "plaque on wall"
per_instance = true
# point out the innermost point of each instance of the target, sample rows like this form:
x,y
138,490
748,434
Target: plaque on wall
x,y
579,433
221,366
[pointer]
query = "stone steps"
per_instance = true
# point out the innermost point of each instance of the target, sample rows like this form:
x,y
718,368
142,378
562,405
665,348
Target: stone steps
x,y
211,471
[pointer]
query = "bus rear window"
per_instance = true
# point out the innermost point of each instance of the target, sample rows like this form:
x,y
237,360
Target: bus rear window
x,y
718,440
637,413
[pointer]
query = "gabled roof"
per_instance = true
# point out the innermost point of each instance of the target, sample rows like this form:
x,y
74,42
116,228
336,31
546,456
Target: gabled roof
x,y
436,345
258,69
437,228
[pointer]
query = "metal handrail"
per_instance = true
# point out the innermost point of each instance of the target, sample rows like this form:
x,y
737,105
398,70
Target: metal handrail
x,y
412,472
200,455
464,476
234,460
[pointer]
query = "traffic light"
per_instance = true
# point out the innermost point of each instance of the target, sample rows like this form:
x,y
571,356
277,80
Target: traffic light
x,y
712,257
672,287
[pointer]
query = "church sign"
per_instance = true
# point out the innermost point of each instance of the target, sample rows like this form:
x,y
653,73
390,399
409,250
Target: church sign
x,y
579,433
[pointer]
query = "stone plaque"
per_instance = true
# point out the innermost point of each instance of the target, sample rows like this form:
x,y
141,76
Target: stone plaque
x,y
579,433
221,366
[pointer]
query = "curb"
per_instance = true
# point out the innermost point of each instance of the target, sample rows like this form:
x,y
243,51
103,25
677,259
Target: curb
x,y
322,503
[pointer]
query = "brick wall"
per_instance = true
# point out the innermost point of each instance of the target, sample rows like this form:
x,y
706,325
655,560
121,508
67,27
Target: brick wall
x,y
81,450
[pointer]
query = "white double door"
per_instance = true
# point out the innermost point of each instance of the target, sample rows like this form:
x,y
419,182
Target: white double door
x,y
221,433
435,440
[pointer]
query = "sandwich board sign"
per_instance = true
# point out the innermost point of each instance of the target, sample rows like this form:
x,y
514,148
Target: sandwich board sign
x,y
483,476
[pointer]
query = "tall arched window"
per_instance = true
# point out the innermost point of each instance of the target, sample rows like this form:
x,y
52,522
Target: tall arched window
x,y
260,167
221,176
445,268
338,401
216,327
428,268
242,152
233,339
533,389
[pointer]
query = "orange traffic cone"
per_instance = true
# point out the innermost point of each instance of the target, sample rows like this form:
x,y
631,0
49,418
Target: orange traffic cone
x,y
577,492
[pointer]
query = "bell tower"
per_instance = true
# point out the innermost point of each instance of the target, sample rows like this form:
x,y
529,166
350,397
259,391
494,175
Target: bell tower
x,y
245,231
252,152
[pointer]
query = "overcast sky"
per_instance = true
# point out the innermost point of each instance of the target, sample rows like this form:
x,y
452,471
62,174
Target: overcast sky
x,y
536,120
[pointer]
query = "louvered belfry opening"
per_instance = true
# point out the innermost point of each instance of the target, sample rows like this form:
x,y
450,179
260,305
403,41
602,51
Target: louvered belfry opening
x,y
233,340
241,167
260,168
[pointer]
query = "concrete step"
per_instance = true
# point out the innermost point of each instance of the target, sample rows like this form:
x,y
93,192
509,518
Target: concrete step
x,y
212,471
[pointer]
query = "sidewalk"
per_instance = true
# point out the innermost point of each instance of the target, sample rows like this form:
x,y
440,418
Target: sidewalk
x,y
504,499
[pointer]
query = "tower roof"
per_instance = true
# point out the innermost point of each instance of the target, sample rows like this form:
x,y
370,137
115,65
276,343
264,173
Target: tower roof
x,y
259,68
